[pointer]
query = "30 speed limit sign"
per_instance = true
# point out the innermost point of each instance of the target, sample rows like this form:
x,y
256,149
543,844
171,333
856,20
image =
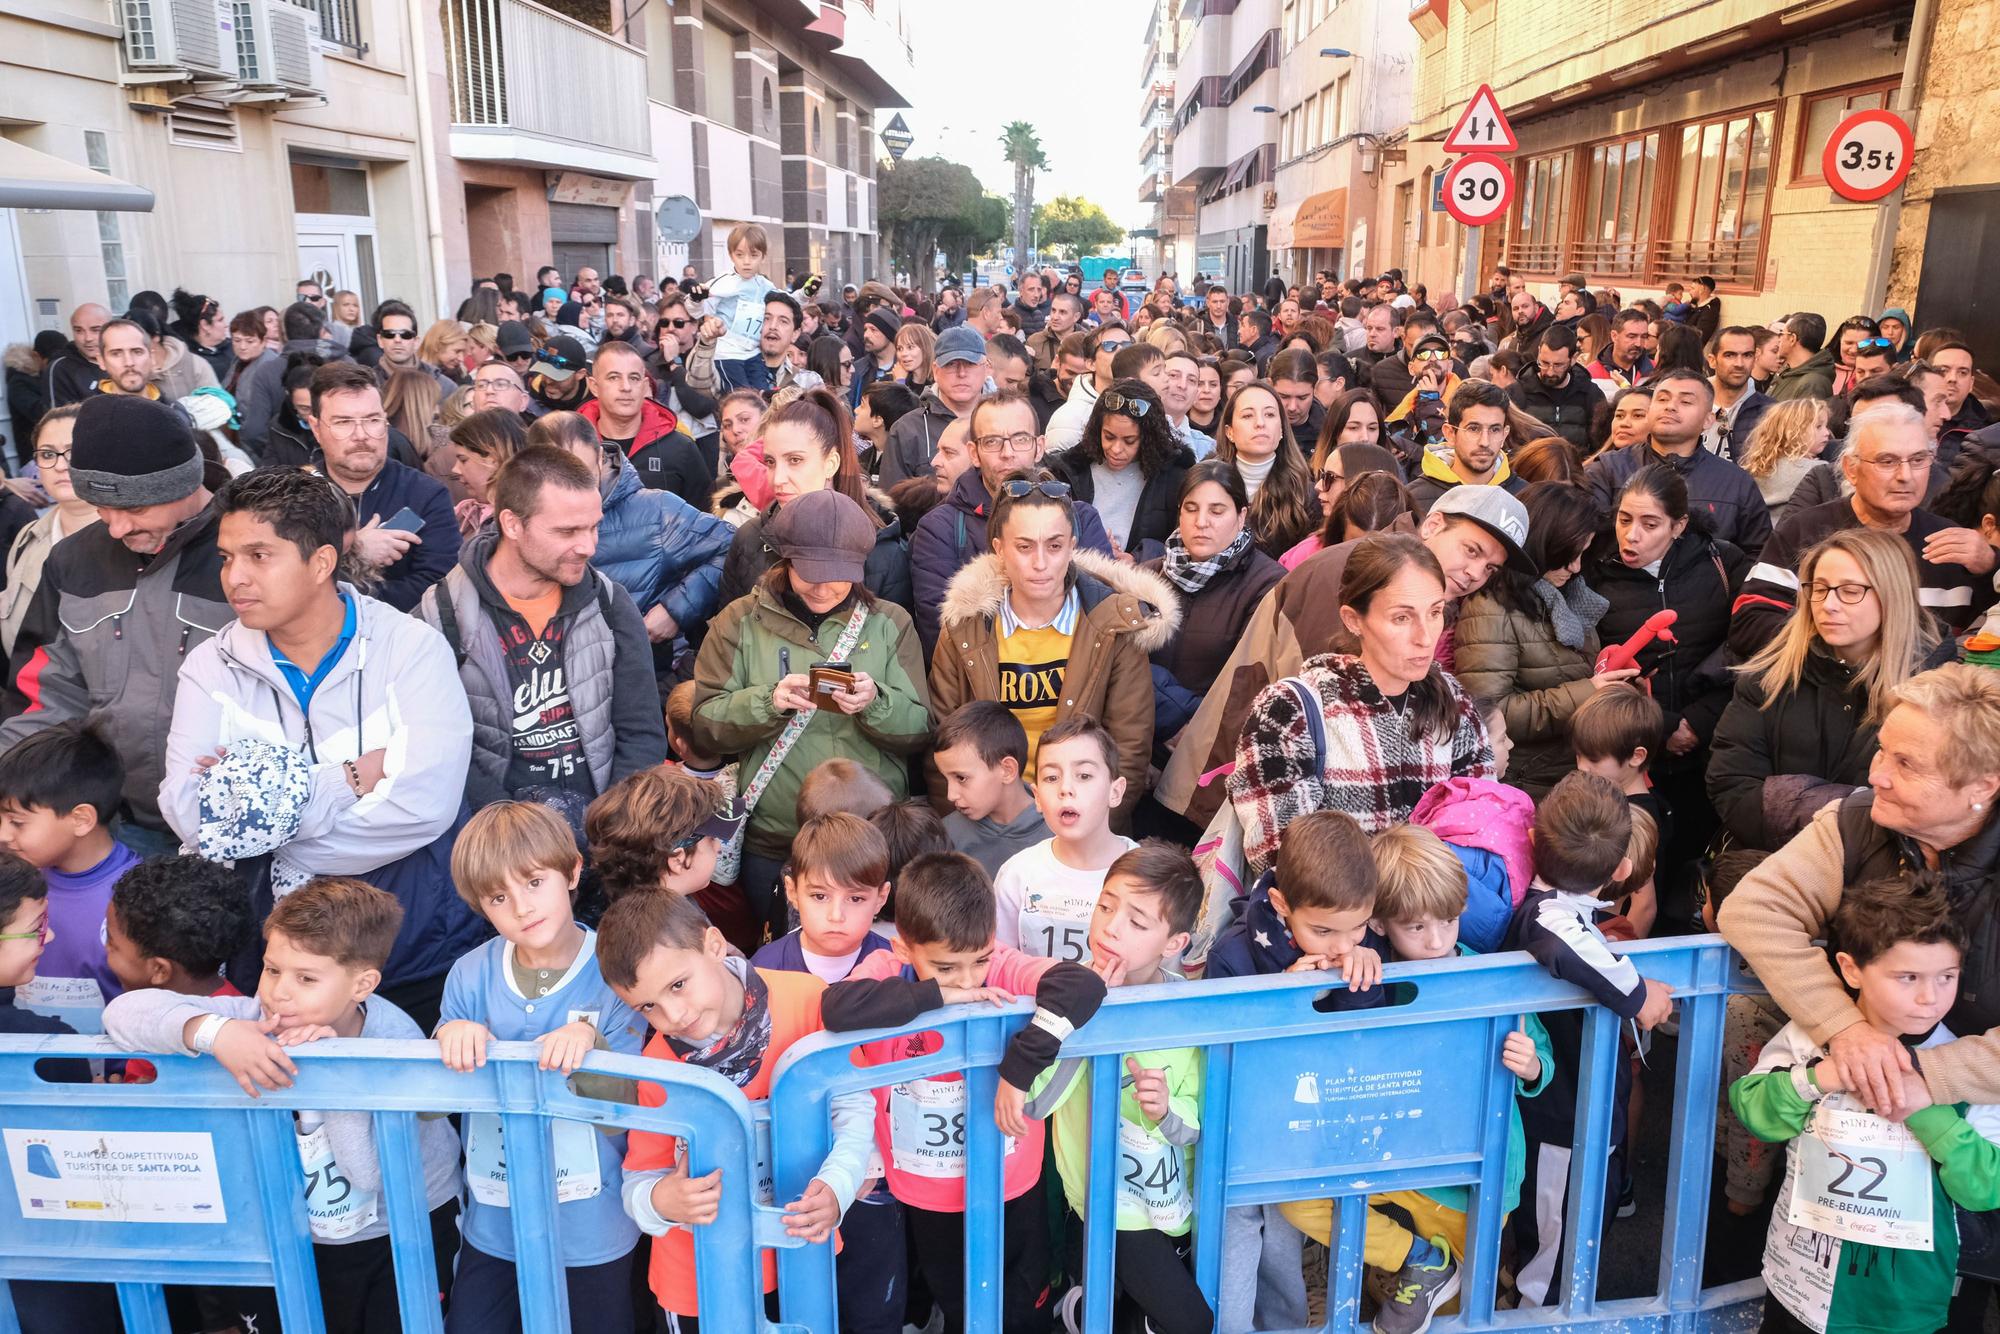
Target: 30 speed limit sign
x,y
1868,155
1478,189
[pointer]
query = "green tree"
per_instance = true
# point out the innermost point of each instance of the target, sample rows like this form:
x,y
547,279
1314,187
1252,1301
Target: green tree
x,y
1024,149
928,204
1075,227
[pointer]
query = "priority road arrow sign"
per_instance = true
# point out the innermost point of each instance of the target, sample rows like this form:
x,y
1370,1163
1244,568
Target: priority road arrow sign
x,y
1482,127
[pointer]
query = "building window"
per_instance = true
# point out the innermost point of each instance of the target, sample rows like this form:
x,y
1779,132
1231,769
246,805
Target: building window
x,y
110,233
818,151
1622,178
718,64
1542,217
1822,112
1722,195
1337,113
340,23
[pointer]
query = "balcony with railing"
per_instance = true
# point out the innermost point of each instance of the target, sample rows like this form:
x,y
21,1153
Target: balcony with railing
x,y
532,87
1735,262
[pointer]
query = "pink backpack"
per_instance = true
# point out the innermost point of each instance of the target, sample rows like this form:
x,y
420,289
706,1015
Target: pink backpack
x,y
1480,813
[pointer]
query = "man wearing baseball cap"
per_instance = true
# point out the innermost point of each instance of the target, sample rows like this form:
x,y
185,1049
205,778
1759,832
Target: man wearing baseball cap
x,y
962,376
1472,530
556,376
145,585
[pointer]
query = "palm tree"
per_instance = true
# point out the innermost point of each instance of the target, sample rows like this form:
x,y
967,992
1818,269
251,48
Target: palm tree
x,y
1024,149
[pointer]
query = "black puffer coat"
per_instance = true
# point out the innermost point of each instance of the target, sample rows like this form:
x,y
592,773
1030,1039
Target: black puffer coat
x,y
1698,579
1772,767
1159,500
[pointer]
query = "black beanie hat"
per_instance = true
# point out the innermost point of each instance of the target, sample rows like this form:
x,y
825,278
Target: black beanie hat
x,y
129,452
885,319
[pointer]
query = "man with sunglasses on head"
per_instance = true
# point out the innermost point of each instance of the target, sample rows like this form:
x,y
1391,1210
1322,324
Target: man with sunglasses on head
x,y
1888,463
1004,439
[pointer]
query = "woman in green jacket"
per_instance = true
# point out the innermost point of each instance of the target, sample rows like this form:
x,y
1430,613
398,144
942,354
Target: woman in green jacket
x,y
757,697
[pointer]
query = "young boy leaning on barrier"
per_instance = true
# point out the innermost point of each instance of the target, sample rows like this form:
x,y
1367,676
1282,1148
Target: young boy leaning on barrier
x,y
1865,1233
1309,913
1582,834
1417,1237
536,981
1140,925
945,954
324,947
710,1008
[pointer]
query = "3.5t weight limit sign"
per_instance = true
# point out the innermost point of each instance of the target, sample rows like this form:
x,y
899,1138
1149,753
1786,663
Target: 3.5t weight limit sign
x,y
1478,189
1868,155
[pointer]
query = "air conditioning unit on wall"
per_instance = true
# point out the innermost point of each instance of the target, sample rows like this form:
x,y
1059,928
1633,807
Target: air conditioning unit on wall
x,y
278,49
179,40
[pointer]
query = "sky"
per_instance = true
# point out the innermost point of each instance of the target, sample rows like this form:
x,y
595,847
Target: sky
x,y
1084,102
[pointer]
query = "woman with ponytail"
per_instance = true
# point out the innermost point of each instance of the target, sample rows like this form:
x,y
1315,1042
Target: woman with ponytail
x,y
809,446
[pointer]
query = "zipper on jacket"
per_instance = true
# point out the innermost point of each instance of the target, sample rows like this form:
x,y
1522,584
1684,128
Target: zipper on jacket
x,y
118,626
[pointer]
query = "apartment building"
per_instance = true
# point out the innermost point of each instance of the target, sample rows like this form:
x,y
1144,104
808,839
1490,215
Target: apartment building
x,y
1669,138
1222,148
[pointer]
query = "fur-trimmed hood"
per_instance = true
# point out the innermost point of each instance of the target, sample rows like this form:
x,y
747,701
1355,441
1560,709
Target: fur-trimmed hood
x,y
1123,598
20,357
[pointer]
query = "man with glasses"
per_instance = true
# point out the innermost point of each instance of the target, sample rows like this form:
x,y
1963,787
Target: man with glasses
x,y
963,374
397,333
1739,405
353,434
1475,431
1683,405
1887,461
154,558
498,385
309,290
1067,425
1004,440
629,420
1556,391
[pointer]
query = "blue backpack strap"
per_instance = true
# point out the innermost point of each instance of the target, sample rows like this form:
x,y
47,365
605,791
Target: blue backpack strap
x,y
1315,718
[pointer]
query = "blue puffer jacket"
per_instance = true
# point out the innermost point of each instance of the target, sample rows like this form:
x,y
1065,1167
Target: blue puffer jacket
x,y
662,550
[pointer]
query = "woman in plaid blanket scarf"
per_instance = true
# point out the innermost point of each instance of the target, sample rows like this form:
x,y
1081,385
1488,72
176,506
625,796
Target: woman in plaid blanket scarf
x,y
1396,723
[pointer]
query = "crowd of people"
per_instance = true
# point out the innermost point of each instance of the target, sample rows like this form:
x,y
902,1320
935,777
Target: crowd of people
x,y
685,666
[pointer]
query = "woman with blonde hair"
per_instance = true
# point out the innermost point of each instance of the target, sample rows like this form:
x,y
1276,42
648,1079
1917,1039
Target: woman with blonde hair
x,y
1801,729
443,346
1783,453
412,399
916,348
1257,438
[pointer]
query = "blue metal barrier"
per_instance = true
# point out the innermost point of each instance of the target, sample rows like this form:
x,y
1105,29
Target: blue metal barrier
x,y
1296,1104
1299,1104
239,1159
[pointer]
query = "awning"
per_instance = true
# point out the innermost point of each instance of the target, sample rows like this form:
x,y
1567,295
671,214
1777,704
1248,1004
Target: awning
x,y
1321,221
1280,235
33,179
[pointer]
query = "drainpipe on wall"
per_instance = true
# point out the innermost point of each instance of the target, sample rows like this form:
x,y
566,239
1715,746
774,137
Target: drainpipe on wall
x,y
420,80
1889,220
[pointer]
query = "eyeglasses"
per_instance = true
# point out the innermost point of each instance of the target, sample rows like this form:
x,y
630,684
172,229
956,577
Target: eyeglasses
x,y
1430,354
1019,440
41,935
1848,594
48,458
1893,465
346,426
495,382
395,333
522,357
1875,345
1018,490
1131,407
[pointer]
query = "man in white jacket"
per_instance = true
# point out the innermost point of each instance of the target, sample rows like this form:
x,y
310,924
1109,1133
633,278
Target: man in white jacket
x,y
324,728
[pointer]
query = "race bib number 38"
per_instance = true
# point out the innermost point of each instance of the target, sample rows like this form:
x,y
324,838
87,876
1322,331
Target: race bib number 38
x,y
927,1127
1862,1178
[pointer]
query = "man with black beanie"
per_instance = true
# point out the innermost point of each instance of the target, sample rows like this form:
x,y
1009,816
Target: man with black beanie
x,y
145,586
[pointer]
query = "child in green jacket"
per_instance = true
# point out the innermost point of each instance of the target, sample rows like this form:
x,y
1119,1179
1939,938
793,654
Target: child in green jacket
x,y
1865,1235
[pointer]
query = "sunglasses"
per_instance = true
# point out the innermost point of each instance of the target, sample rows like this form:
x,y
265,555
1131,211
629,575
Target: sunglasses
x,y
1327,477
1021,489
520,356
1431,354
396,333
677,324
1875,345
1131,407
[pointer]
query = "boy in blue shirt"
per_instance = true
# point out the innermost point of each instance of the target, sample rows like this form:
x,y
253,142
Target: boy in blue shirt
x,y
516,863
1310,912
59,790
